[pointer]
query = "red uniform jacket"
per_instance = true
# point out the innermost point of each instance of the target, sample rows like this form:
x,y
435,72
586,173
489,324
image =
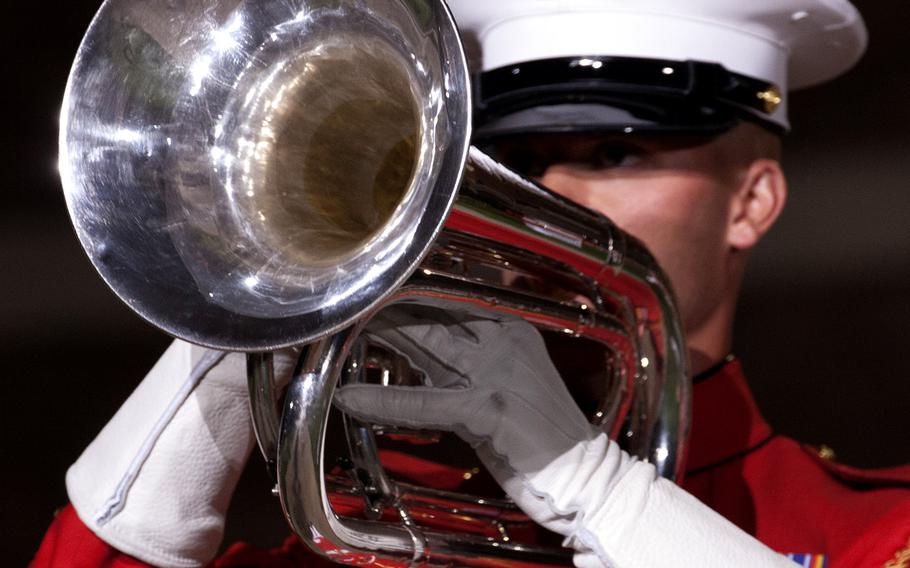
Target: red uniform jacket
x,y
819,512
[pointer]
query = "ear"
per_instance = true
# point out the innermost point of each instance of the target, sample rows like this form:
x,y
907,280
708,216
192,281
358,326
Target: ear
x,y
757,203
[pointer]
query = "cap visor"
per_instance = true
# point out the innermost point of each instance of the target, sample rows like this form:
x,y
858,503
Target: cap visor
x,y
601,118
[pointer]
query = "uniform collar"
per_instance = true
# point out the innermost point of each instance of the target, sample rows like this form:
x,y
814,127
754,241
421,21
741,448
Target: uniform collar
x,y
726,423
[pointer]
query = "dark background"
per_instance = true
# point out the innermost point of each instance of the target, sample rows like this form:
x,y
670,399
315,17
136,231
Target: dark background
x,y
822,330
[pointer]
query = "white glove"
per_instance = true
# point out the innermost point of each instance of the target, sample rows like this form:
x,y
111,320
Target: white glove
x,y
494,385
157,480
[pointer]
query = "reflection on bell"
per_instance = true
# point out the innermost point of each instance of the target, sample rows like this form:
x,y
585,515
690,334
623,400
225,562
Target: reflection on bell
x,y
325,152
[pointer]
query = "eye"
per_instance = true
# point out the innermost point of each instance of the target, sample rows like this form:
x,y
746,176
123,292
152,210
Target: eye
x,y
531,158
613,155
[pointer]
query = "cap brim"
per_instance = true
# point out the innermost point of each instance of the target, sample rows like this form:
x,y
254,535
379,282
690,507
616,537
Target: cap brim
x,y
594,118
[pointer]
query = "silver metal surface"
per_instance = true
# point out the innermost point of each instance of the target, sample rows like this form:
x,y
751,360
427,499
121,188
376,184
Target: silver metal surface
x,y
249,175
301,484
181,126
626,285
260,373
303,491
378,489
598,283
611,291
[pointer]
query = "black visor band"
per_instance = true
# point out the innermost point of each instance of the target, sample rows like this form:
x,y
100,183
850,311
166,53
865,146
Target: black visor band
x,y
504,90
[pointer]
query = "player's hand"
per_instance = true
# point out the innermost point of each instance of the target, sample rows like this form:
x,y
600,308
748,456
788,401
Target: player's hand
x,y
490,380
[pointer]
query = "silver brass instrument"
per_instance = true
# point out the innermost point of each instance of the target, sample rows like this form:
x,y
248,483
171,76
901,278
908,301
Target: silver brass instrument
x,y
255,174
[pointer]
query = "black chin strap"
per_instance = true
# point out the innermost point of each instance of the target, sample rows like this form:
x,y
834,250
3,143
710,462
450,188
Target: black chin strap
x,y
713,369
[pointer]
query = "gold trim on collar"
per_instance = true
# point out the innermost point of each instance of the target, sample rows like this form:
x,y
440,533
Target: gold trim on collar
x,y
901,558
826,453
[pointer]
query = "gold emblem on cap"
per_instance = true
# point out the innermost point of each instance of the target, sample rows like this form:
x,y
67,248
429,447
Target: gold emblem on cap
x,y
771,97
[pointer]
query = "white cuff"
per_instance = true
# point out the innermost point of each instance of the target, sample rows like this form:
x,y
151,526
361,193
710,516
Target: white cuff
x,y
157,480
653,523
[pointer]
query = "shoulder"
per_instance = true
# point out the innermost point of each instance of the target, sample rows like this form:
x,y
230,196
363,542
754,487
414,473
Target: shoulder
x,y
873,506
785,461
885,541
801,501
859,478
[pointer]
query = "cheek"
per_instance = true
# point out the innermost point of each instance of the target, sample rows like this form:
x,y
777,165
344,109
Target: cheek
x,y
680,216
666,213
684,227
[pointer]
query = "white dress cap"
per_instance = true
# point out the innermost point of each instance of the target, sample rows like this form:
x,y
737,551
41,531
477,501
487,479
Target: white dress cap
x,y
790,43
